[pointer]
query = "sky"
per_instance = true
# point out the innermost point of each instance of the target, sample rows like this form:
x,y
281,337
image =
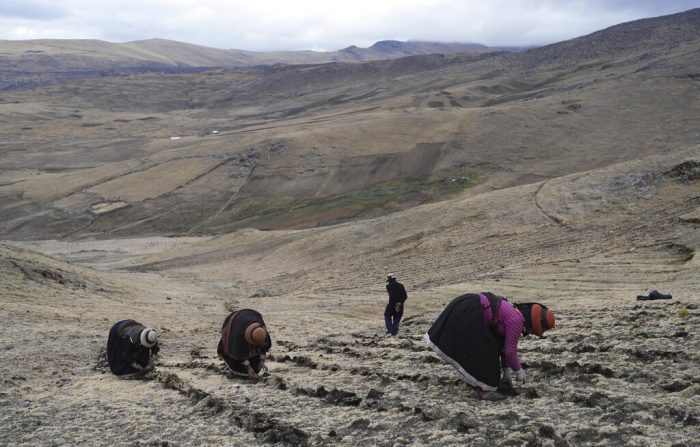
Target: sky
x,y
323,25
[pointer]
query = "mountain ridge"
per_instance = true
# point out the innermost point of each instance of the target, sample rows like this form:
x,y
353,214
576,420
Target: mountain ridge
x,y
31,63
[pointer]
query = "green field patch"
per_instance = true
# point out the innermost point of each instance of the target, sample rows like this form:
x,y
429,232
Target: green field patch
x,y
281,212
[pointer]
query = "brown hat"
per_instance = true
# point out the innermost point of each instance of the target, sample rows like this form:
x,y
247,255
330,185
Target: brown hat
x,y
256,334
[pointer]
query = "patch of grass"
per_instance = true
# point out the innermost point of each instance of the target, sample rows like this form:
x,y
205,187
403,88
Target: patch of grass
x,y
250,208
286,212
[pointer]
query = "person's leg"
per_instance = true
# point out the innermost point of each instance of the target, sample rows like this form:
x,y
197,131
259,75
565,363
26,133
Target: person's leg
x,y
131,376
491,395
388,318
396,322
255,363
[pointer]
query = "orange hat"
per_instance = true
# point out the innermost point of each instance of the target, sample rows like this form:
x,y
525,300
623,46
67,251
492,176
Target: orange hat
x,y
541,318
256,334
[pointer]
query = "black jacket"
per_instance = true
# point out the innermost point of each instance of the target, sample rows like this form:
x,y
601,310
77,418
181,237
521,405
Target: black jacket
x,y
124,348
233,347
397,293
233,343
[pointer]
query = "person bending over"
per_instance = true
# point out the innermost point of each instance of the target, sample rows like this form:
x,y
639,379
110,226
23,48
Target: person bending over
x,y
478,333
131,348
244,343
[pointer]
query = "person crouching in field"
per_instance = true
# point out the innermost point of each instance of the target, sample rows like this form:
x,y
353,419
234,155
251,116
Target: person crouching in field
x,y
244,343
478,334
131,348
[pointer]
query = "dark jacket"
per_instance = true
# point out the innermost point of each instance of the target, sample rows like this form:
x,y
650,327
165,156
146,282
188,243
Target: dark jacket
x,y
124,348
233,347
397,293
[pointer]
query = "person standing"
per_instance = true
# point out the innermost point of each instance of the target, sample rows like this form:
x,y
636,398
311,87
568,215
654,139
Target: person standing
x,y
394,308
478,335
244,343
130,349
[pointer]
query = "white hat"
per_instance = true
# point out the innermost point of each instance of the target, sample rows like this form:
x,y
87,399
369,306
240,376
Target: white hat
x,y
148,337
391,276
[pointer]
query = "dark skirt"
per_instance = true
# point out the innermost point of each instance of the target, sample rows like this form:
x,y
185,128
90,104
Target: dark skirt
x,y
460,337
237,367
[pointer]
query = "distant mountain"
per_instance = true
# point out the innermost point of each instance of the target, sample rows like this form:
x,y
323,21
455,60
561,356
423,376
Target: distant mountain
x,y
36,62
391,49
645,35
86,54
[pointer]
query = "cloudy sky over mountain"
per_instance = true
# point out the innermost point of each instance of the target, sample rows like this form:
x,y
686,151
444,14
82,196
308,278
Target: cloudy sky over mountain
x,y
322,24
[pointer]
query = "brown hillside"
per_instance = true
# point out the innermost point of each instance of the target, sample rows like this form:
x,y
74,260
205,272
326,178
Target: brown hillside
x,y
300,146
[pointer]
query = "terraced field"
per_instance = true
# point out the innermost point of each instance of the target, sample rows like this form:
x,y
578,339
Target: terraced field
x,y
599,379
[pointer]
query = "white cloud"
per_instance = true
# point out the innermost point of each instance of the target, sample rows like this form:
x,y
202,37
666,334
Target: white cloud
x,y
32,9
314,24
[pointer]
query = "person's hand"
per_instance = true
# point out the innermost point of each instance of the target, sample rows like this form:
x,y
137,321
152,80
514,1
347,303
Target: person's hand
x,y
151,364
251,371
263,366
507,375
397,307
520,375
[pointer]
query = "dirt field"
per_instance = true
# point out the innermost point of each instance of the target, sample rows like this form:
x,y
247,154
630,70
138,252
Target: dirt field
x,y
615,371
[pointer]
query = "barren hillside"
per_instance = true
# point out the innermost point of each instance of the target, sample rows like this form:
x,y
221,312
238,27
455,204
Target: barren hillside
x,y
301,146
